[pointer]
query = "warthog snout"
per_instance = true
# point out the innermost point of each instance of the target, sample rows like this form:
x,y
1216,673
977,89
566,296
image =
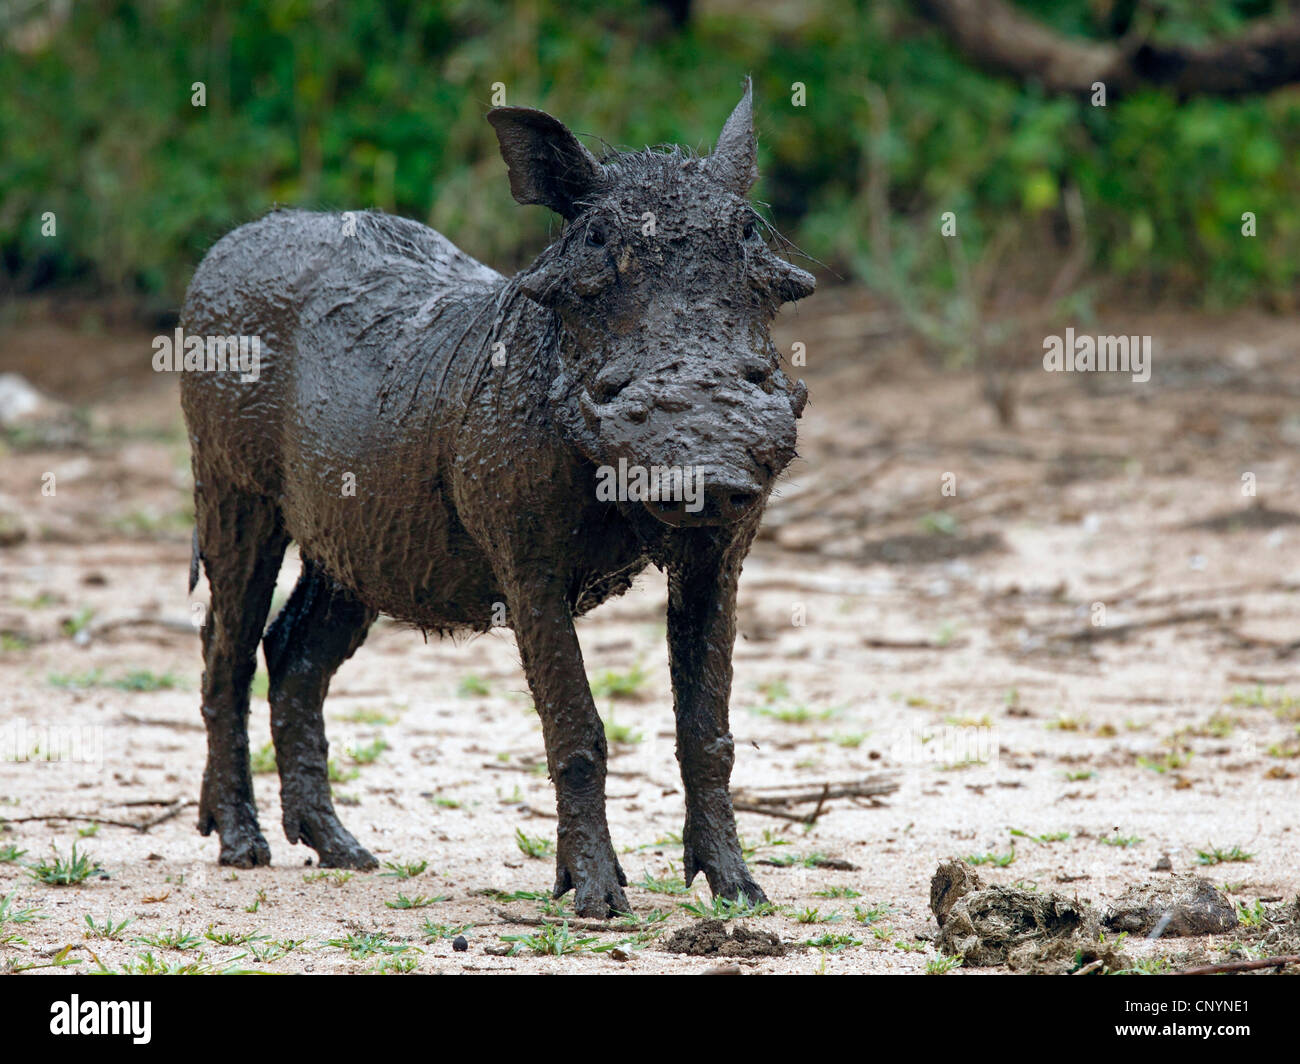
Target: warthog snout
x,y
697,449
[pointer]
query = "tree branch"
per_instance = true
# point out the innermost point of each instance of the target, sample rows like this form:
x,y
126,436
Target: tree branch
x,y
997,36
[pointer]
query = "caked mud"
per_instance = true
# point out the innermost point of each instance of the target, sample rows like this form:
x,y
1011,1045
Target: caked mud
x,y
435,438
711,938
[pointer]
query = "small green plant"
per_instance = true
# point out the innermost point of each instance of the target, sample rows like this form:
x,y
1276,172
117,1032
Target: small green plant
x,y
1255,916
338,876
232,938
812,915
472,686
1055,836
555,940
834,943
1213,855
399,965
1000,860
1284,704
420,901
621,733
76,681
404,869
1169,762
795,714
339,774
368,754
143,680
870,916
837,892
625,685
76,624
108,929
9,914
515,895
147,964
938,523
262,760
726,909
669,884
432,932
58,872
789,860
555,908
178,939
10,853
942,964
359,946
1123,841
537,847
367,716
273,950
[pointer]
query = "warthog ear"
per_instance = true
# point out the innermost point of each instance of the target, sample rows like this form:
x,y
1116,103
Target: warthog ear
x,y
548,164
735,159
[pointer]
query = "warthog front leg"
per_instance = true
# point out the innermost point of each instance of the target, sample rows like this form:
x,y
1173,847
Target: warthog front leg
x,y
575,750
701,631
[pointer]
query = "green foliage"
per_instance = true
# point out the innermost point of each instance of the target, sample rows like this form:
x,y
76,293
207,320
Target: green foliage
x,y
381,102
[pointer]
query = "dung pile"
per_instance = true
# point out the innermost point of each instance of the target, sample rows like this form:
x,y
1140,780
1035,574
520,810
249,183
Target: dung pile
x,y
1046,933
709,938
1181,905
1023,929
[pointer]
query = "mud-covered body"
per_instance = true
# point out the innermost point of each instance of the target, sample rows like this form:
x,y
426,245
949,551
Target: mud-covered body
x,y
379,421
440,442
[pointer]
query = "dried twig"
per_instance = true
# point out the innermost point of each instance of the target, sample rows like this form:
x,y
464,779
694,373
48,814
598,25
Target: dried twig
x,y
142,826
780,814
779,794
556,921
1096,633
752,800
1241,966
877,643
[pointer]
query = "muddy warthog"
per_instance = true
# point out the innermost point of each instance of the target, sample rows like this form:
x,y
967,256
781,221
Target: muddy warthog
x,y
438,440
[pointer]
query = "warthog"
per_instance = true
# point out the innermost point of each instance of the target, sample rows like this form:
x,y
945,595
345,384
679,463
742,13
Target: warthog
x,y
431,434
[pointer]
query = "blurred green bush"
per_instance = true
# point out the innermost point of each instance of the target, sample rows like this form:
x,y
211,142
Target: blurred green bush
x,y
380,103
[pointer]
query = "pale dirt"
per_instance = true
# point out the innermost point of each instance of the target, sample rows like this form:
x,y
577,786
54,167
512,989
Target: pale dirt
x,y
1089,494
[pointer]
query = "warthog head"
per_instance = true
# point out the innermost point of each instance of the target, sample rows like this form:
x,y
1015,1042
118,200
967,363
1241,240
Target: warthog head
x,y
664,290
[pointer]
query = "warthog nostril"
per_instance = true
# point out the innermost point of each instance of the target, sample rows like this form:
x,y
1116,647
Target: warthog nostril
x,y
607,386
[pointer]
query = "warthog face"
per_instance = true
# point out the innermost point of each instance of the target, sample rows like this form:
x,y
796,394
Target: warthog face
x,y
664,290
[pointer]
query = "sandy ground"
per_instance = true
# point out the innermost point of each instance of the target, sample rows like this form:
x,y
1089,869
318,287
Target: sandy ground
x,y
887,629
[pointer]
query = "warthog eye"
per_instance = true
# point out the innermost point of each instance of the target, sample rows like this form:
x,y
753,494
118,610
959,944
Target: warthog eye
x,y
751,229
595,236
